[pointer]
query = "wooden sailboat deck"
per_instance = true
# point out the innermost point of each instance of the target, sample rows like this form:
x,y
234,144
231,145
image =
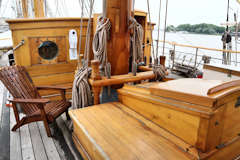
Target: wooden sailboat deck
x,y
31,142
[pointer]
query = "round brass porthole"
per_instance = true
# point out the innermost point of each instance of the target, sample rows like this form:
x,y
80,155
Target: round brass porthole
x,y
48,50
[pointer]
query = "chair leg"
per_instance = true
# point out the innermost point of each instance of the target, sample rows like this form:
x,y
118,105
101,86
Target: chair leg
x,y
47,128
45,122
67,115
18,124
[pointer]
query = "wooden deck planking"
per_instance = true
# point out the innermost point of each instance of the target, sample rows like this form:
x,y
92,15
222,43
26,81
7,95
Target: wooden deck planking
x,y
63,125
4,127
26,143
15,141
37,143
30,141
49,145
1,100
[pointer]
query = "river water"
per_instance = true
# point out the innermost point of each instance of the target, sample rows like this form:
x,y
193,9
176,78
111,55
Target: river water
x,y
207,41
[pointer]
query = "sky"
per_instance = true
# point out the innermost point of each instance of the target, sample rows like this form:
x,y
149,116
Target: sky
x,y
179,11
187,11
191,11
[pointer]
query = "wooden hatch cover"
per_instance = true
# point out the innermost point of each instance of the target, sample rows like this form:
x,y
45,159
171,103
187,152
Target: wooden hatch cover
x,y
195,91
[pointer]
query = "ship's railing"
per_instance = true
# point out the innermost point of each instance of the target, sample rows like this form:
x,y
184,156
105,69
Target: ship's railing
x,y
197,54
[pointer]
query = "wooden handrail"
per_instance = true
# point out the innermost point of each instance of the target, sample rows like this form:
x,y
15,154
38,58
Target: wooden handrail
x,y
121,79
223,86
205,48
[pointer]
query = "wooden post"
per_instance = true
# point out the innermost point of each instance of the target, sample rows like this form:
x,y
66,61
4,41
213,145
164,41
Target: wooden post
x,y
96,76
38,8
162,60
118,47
25,8
95,70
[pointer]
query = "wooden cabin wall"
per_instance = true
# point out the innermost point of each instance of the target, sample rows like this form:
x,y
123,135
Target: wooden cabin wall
x,y
59,71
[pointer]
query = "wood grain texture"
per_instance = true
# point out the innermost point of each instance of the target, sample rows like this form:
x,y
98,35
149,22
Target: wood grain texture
x,y
194,91
231,120
112,131
223,86
15,140
118,47
183,125
34,31
38,8
201,126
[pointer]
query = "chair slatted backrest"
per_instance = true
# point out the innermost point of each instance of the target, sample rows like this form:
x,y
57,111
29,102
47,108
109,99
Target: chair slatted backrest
x,y
18,82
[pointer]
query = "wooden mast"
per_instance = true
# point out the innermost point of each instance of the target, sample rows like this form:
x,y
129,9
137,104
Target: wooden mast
x,y
25,8
38,8
118,47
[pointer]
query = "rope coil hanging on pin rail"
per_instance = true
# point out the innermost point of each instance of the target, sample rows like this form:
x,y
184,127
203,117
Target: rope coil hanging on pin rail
x,y
81,91
100,44
136,43
159,72
137,38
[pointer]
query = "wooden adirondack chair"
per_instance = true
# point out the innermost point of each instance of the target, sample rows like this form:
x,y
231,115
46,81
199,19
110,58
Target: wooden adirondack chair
x,y
17,80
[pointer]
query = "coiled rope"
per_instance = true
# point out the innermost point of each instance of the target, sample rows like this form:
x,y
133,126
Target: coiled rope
x,y
137,43
81,91
159,72
100,44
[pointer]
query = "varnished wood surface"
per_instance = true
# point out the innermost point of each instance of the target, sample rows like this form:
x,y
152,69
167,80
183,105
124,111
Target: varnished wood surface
x,y
193,91
118,48
223,86
112,131
121,79
204,127
39,8
20,85
59,71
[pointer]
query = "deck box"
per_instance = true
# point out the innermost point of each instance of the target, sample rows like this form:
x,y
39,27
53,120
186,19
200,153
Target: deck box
x,y
203,113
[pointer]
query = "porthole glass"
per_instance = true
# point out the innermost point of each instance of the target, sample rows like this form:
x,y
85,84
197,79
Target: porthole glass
x,y
48,50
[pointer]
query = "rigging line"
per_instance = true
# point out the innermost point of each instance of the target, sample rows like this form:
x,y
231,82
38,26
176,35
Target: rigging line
x,y
80,36
66,10
104,12
159,15
56,8
164,36
1,11
86,10
87,46
236,33
90,6
227,15
61,13
149,16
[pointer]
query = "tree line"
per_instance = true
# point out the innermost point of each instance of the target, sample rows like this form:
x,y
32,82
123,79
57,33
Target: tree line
x,y
202,28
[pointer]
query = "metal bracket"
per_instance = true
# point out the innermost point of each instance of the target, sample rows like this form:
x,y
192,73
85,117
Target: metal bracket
x,y
237,104
220,146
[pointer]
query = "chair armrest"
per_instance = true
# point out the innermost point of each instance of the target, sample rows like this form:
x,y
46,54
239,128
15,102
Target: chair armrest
x,y
54,87
31,101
